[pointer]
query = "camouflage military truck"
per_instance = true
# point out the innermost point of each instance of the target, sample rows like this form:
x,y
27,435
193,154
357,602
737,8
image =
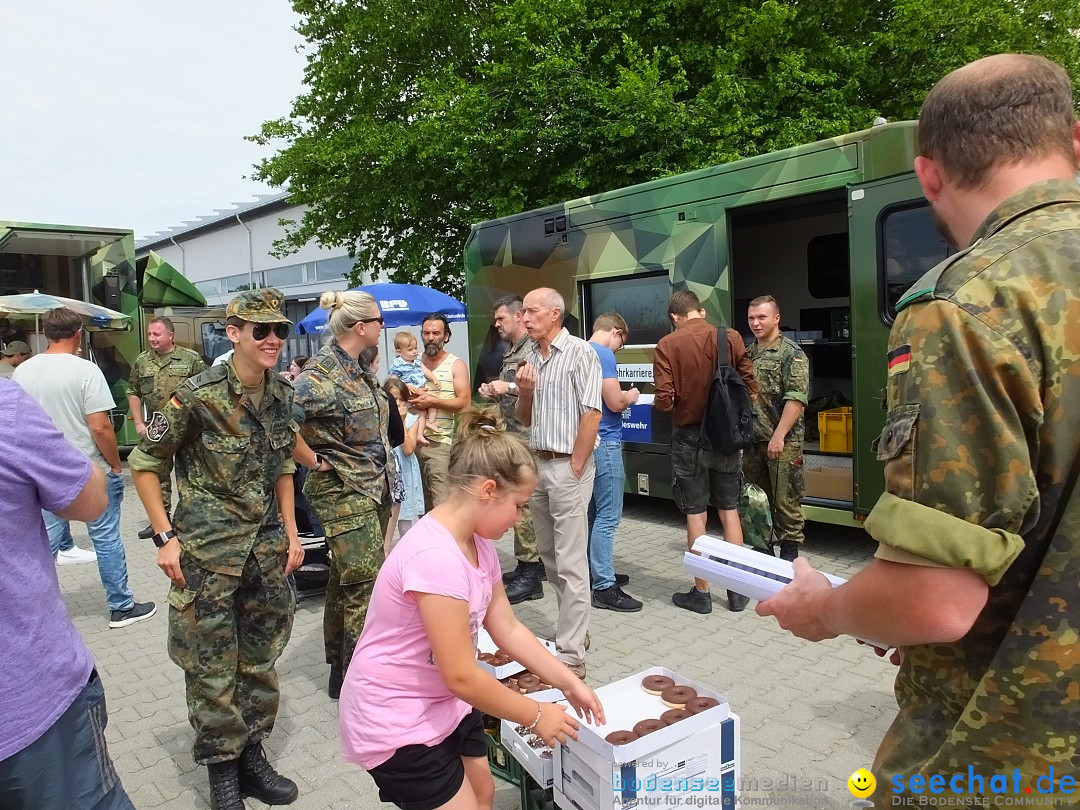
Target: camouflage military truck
x,y
98,265
836,230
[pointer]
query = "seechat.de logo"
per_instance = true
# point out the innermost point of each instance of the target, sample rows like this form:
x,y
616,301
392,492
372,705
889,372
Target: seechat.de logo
x,y
861,784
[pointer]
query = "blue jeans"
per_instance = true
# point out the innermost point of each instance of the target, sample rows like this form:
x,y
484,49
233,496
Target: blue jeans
x,y
605,512
105,535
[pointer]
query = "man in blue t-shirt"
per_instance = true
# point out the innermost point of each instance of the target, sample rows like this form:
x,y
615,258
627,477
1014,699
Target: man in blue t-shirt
x,y
605,510
52,704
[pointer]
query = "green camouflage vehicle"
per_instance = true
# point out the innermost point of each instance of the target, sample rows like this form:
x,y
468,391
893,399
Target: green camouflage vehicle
x,y
98,265
834,230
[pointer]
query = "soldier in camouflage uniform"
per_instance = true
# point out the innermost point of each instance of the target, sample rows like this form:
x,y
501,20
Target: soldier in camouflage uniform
x,y
524,582
231,546
774,460
155,374
977,580
344,417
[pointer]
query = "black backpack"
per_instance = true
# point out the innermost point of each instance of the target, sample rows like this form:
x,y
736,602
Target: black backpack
x,y
726,425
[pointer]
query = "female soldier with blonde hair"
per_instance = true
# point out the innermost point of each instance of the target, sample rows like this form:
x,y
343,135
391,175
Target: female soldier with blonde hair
x,y
345,421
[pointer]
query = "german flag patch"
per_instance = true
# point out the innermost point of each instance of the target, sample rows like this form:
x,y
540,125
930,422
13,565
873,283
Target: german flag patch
x,y
174,401
899,359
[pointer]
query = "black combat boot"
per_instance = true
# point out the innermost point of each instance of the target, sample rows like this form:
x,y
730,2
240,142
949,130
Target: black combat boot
x,y
526,585
225,786
337,677
259,779
510,576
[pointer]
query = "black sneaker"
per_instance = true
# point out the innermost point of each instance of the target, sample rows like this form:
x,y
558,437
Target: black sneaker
x,y
736,602
614,599
694,600
622,579
789,550
147,533
136,613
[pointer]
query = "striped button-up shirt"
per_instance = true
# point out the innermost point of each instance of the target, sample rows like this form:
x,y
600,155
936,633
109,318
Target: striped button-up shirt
x,y
567,385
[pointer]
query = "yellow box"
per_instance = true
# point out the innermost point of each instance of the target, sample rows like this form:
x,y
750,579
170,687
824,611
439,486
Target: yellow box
x,y
834,428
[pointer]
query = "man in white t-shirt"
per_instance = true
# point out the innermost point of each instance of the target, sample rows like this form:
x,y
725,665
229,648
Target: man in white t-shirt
x,y
76,396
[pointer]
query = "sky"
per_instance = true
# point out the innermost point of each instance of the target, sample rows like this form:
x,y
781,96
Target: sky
x,y
132,113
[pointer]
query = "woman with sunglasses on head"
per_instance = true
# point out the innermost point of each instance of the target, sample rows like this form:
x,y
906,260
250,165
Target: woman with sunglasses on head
x,y
345,422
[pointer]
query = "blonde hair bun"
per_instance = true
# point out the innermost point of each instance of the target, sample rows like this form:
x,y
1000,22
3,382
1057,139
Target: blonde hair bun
x,y
330,299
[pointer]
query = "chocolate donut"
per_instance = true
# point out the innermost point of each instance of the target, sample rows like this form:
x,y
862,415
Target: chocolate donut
x,y
675,697
526,682
675,715
700,704
500,660
648,726
620,737
487,658
655,684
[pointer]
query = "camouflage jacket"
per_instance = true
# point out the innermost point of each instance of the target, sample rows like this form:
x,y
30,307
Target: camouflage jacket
x,y
154,377
345,418
228,457
980,446
783,373
507,404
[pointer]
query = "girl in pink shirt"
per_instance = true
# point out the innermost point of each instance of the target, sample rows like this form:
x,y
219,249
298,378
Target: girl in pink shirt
x,y
411,703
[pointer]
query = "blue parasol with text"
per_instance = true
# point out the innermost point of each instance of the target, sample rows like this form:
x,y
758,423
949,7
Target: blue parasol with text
x,y
400,305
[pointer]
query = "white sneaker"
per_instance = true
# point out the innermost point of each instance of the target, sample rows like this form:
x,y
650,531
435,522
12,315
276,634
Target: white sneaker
x,y
75,555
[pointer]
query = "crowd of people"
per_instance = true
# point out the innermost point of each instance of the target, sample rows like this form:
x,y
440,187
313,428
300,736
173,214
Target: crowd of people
x,y
975,575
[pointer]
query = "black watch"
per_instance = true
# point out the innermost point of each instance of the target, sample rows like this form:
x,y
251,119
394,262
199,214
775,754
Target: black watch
x,y
161,538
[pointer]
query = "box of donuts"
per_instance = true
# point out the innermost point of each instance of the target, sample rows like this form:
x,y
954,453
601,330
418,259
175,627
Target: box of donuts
x,y
498,663
666,736
532,754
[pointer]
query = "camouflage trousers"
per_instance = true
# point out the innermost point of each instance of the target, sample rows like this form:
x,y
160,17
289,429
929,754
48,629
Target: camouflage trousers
x,y
226,633
782,481
525,538
354,526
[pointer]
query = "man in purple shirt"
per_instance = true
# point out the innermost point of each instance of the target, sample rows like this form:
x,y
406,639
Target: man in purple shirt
x,y
52,704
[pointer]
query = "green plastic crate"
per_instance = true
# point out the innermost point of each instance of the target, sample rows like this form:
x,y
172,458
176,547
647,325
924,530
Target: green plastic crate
x,y
503,765
534,797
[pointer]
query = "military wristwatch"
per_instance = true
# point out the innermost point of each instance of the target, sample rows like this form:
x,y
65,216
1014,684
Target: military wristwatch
x,y
161,538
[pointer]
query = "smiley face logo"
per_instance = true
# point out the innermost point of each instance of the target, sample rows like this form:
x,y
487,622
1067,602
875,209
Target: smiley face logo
x,y
861,783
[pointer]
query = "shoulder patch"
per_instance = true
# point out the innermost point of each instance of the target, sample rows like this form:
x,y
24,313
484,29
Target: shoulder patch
x,y
899,359
212,375
157,427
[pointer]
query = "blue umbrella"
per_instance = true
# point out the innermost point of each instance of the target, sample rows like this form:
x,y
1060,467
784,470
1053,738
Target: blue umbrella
x,y
400,305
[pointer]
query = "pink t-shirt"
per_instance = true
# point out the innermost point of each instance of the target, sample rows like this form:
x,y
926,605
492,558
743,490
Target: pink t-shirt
x,y
393,694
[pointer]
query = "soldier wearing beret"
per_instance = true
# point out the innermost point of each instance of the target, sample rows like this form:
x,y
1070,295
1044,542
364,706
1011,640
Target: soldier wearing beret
x,y
977,576
231,546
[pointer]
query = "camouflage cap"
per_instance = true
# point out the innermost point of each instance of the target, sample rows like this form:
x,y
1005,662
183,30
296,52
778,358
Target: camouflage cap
x,y
258,306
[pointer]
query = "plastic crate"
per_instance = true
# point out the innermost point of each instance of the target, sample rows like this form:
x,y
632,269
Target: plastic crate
x,y
534,797
503,765
834,427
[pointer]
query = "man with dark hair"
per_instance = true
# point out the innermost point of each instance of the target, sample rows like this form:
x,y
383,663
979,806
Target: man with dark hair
x,y
453,395
976,580
774,459
155,375
683,364
524,582
231,547
53,753
75,394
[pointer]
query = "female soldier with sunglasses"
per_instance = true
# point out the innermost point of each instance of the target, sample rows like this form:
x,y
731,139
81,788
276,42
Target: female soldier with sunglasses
x,y
345,421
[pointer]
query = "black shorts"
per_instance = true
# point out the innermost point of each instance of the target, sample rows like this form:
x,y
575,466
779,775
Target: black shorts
x,y
700,478
423,777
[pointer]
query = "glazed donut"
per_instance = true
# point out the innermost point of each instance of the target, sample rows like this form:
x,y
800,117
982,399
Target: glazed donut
x,y
700,704
648,726
675,715
526,682
655,684
675,697
620,737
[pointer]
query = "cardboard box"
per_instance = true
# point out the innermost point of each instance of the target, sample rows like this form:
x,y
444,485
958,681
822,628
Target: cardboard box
x,y
539,763
485,644
828,482
697,770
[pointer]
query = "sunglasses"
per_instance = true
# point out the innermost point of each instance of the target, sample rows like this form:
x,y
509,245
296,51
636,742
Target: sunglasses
x,y
378,320
261,331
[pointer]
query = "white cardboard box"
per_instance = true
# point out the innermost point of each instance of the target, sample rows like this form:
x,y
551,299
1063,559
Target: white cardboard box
x,y
697,771
539,767
485,644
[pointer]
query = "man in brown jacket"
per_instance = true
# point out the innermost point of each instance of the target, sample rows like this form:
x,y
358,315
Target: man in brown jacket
x,y
683,364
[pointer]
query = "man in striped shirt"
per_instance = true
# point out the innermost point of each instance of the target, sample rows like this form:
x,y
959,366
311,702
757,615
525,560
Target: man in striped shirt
x,y
559,397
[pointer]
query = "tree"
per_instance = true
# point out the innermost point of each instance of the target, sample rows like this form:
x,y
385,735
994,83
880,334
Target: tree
x,y
420,119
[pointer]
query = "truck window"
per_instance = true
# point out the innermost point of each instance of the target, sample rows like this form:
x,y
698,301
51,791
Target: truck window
x,y
910,244
640,299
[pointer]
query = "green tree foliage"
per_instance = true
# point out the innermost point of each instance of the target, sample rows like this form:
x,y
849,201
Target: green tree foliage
x,y
421,118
